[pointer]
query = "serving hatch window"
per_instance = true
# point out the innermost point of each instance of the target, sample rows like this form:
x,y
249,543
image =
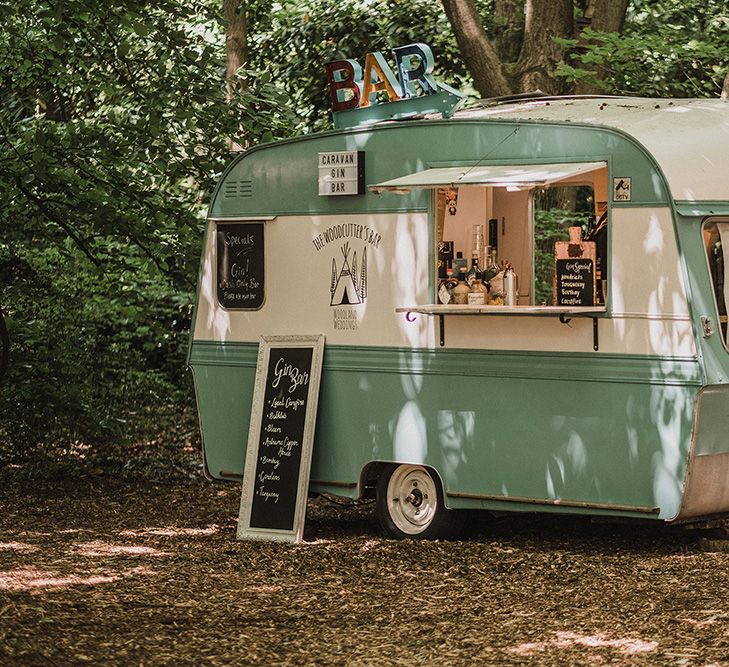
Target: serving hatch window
x,y
552,237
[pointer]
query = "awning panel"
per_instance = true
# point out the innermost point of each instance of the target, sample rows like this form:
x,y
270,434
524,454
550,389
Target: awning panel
x,y
500,175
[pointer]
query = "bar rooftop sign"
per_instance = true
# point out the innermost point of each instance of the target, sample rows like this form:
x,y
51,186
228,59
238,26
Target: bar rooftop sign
x,y
357,94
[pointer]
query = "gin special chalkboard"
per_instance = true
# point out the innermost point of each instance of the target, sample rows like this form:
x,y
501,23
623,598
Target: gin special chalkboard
x,y
240,267
575,282
280,438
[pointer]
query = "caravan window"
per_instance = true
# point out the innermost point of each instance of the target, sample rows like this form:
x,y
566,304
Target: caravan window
x,y
524,223
555,210
716,243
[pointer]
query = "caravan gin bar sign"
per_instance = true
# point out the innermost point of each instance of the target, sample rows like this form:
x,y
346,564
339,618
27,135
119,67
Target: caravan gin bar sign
x,y
341,173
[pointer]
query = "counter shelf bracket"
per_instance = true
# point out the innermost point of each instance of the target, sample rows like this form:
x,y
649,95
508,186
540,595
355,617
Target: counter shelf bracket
x,y
441,325
595,336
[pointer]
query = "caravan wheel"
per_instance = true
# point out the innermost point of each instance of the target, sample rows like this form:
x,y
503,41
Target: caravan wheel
x,y
410,504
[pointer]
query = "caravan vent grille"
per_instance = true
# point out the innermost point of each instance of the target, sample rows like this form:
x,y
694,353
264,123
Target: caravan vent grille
x,y
234,189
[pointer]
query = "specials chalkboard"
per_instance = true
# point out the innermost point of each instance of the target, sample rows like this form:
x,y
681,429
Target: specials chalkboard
x,y
240,268
575,282
280,438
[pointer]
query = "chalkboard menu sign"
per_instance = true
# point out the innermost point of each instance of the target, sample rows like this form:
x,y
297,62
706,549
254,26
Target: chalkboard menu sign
x,y
280,438
240,275
575,282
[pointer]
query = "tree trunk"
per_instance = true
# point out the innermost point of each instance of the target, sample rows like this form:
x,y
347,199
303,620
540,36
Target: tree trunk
x,y
725,88
540,54
236,52
476,49
602,16
509,32
607,15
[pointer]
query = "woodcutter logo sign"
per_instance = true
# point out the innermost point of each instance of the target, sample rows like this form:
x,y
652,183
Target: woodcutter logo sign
x,y
347,246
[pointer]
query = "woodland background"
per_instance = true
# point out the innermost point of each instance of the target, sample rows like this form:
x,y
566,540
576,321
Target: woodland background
x,y
116,122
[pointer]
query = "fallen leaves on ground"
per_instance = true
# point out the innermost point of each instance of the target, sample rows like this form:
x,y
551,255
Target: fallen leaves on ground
x,y
103,571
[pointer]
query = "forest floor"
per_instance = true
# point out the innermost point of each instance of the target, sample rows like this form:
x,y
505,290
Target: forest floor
x,y
107,569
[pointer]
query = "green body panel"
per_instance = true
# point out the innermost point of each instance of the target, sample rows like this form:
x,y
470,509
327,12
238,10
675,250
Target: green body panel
x,y
603,430
281,178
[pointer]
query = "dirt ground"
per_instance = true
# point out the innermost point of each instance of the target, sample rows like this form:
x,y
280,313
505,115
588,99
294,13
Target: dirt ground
x,y
101,571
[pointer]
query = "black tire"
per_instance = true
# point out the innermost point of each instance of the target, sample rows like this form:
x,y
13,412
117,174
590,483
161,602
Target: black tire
x,y
410,505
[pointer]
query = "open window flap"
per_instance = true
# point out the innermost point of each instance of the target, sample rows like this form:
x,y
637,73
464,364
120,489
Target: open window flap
x,y
500,175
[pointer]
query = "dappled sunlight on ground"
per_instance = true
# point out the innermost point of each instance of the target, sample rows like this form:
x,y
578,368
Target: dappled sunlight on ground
x,y
99,548
171,531
565,640
26,579
104,573
17,546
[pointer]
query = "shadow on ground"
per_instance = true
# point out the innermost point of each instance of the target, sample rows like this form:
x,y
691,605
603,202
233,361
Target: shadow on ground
x,y
101,571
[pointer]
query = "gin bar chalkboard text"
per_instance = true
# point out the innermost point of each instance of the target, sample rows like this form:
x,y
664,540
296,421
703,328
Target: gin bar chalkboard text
x,y
278,457
281,437
240,276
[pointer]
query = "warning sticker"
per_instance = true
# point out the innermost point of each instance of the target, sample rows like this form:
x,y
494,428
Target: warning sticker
x,y
621,188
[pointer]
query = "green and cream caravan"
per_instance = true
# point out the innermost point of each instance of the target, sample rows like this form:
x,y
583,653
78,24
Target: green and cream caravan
x,y
615,405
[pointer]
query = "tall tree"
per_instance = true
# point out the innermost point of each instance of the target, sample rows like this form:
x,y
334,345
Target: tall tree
x,y
544,22
528,47
476,49
236,53
667,48
602,16
113,132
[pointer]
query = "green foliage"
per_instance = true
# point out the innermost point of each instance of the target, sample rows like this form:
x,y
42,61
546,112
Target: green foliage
x,y
91,350
114,128
670,48
293,40
555,211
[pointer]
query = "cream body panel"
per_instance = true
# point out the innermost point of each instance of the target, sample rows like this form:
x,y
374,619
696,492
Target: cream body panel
x,y
304,261
687,137
305,257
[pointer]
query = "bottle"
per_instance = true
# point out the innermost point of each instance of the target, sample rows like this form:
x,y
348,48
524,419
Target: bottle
x,y
458,263
460,292
445,291
511,286
492,267
494,236
478,242
445,257
474,273
478,294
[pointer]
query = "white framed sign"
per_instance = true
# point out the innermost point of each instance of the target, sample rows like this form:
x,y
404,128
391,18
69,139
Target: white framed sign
x,y
341,173
281,438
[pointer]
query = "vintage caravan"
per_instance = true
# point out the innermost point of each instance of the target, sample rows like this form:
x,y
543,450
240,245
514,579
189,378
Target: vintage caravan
x,y
599,384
